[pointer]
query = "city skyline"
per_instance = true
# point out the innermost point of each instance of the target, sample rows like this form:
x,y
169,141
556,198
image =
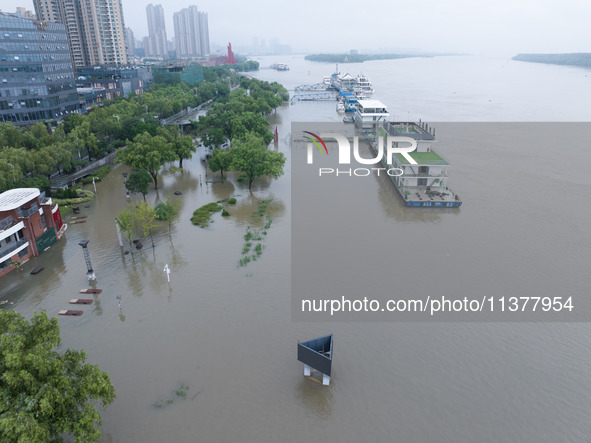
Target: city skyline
x,y
503,26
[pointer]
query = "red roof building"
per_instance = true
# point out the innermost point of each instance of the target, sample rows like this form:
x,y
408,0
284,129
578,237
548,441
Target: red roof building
x,y
29,223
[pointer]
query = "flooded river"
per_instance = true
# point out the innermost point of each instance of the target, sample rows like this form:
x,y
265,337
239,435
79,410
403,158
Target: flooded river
x,y
226,331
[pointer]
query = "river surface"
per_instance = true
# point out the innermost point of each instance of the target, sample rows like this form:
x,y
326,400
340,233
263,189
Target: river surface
x,y
226,331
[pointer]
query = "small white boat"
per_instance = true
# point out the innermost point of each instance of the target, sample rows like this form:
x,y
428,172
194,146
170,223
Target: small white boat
x,y
340,107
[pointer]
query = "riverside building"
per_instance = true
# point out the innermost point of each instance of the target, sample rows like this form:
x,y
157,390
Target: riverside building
x,y
37,82
29,224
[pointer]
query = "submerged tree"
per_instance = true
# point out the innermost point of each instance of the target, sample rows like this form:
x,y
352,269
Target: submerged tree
x,y
44,394
166,211
148,153
125,223
138,182
221,160
251,156
183,148
144,216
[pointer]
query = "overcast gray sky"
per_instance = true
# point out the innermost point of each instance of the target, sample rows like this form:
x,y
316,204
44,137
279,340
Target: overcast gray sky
x,y
469,26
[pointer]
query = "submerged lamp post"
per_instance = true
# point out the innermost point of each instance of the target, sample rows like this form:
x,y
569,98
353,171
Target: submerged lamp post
x,y
125,183
90,274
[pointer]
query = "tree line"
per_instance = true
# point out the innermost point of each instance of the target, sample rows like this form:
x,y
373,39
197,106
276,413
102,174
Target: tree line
x,y
29,156
238,116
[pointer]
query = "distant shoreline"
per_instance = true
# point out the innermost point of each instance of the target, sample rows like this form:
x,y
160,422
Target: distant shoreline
x,y
581,59
359,58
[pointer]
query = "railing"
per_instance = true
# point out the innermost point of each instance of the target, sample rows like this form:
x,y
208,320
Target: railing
x,y
8,249
63,180
28,212
6,222
422,175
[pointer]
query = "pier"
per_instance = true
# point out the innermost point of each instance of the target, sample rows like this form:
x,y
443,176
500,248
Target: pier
x,y
315,87
313,96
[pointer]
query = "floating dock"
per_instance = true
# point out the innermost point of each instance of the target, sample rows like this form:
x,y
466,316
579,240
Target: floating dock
x,y
423,184
91,291
81,301
70,312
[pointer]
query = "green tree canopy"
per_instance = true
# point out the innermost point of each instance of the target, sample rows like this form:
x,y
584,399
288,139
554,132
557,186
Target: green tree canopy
x,y
215,137
125,222
144,216
44,394
221,160
138,182
166,211
183,148
251,156
147,153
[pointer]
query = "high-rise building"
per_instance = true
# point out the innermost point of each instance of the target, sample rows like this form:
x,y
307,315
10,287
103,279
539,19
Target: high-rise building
x,y
36,75
24,13
130,42
191,33
96,29
157,43
104,31
203,33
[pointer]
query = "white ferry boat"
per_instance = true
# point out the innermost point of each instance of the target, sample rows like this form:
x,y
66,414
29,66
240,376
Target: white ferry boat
x,y
280,67
359,85
363,86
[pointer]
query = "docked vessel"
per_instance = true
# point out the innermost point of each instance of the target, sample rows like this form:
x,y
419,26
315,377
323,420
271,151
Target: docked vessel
x,y
359,85
363,86
423,184
420,182
280,67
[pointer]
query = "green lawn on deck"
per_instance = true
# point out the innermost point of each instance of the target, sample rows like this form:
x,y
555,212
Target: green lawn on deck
x,y
423,158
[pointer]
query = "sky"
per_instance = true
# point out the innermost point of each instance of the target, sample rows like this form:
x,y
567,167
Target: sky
x,y
310,26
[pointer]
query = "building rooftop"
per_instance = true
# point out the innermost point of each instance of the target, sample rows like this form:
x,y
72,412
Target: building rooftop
x,y
15,198
372,104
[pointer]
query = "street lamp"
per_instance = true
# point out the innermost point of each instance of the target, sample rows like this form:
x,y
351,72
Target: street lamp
x,y
125,183
13,175
90,273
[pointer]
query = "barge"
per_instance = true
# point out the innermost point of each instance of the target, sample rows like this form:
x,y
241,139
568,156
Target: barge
x,y
423,184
